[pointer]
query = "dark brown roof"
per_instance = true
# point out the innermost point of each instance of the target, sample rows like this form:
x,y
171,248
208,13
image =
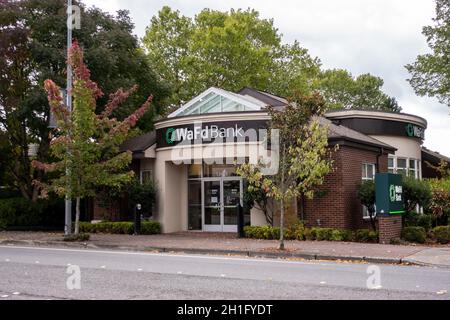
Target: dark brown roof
x,y
139,143
336,132
433,156
267,98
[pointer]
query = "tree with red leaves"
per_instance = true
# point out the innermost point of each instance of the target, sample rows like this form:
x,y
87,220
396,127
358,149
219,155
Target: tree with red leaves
x,y
85,143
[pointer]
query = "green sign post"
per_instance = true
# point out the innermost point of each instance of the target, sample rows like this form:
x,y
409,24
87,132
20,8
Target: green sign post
x,y
389,194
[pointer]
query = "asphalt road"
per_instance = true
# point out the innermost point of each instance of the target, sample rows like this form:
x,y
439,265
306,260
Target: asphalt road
x,y
41,273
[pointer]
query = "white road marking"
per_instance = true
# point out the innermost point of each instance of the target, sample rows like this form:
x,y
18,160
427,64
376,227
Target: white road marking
x,y
16,293
5,296
442,292
323,282
223,275
175,255
103,267
139,269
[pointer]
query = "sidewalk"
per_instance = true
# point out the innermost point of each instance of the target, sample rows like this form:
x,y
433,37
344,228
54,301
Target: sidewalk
x,y
219,243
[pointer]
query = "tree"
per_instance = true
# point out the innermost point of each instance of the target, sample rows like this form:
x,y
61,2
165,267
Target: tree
x,y
87,144
235,49
430,73
343,91
303,154
415,193
229,50
366,194
33,48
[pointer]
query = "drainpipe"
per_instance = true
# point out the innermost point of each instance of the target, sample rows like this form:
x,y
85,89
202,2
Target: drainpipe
x,y
378,159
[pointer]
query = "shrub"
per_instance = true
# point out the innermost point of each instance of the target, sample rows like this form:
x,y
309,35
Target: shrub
x,y
22,212
77,237
442,234
341,235
147,227
366,235
414,234
321,233
419,220
2,225
150,227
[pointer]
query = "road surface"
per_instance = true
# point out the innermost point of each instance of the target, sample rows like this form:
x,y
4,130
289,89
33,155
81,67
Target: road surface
x,y
52,273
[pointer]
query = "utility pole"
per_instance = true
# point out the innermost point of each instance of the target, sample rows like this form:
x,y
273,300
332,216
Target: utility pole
x,y
68,201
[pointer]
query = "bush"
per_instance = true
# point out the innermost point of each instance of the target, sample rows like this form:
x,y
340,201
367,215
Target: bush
x,y
147,227
414,234
2,225
419,220
22,212
77,237
366,235
321,234
442,234
150,227
341,235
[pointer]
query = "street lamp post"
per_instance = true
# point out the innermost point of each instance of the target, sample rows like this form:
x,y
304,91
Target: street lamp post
x,y
68,202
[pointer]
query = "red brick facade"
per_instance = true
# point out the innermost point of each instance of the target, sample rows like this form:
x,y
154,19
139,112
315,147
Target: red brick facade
x,y
337,204
389,228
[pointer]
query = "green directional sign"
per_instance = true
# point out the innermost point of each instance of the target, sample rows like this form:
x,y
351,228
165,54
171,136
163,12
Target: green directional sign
x,y
389,194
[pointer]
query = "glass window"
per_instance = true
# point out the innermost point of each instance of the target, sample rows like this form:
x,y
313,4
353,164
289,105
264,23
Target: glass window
x,y
219,170
194,205
195,171
401,166
412,168
368,171
146,176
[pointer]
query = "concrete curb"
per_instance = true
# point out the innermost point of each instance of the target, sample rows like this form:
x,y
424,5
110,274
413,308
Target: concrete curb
x,y
254,254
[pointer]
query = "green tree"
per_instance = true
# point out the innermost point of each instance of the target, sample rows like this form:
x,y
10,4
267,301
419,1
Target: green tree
x,y
415,193
33,48
303,154
430,73
343,91
366,193
87,144
235,49
229,50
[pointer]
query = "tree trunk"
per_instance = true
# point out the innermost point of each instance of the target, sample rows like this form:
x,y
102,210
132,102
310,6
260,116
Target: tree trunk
x,y
77,216
282,207
282,225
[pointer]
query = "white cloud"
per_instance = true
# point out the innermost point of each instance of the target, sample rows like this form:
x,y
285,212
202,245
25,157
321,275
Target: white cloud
x,y
375,36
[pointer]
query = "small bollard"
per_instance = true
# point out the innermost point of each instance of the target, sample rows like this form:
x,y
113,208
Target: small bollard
x,y
137,219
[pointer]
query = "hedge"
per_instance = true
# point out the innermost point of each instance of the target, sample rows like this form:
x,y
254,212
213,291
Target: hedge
x,y
299,232
22,212
442,234
414,234
147,227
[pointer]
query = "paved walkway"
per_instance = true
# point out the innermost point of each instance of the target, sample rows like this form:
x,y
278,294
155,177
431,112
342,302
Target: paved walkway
x,y
219,243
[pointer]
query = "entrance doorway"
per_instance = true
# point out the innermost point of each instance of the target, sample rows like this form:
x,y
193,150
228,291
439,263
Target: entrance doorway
x,y
220,198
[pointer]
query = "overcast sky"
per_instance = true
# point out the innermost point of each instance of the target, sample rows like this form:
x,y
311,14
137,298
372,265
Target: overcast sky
x,y
362,36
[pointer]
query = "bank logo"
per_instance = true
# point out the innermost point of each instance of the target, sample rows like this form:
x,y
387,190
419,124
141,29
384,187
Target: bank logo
x,y
395,193
169,135
414,131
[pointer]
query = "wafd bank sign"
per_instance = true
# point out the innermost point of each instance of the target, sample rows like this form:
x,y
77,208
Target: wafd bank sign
x,y
389,194
203,133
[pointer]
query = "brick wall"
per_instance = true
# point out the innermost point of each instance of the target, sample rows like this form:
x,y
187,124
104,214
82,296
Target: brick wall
x,y
337,204
389,228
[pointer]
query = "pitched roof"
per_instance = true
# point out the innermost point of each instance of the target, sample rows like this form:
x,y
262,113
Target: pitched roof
x,y
267,98
434,156
139,143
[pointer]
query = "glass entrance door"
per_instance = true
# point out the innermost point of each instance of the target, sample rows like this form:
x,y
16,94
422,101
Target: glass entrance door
x,y
221,195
